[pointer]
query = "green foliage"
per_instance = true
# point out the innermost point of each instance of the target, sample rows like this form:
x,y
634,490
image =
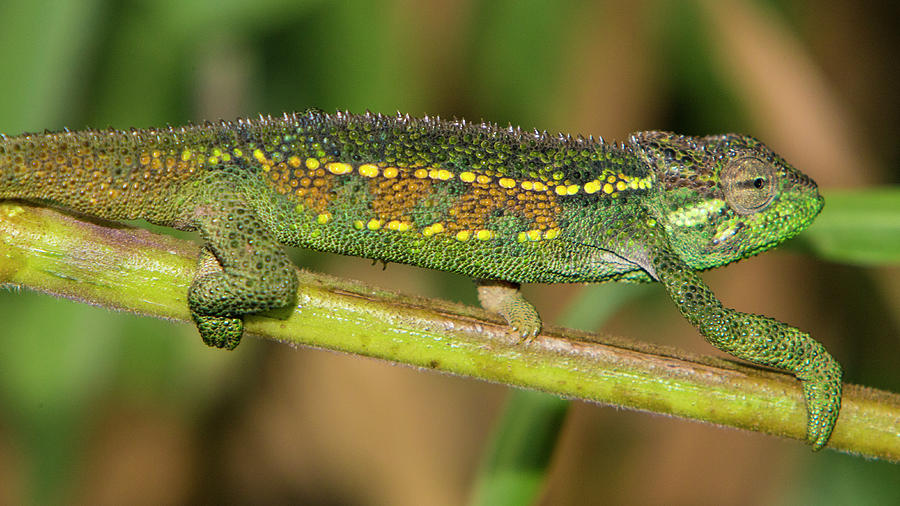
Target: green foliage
x,y
859,226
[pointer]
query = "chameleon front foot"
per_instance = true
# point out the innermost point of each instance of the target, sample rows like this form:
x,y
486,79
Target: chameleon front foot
x,y
219,331
822,391
505,299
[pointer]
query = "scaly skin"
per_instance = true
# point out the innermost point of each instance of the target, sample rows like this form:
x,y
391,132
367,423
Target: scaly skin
x,y
500,205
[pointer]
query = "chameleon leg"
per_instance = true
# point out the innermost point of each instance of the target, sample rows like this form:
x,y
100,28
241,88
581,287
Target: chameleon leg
x,y
505,299
760,340
241,270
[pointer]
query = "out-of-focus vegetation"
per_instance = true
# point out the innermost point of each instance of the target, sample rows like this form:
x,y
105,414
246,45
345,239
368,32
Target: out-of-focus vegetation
x,y
97,407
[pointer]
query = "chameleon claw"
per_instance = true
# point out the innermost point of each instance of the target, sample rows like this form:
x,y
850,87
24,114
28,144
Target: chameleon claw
x,y
526,330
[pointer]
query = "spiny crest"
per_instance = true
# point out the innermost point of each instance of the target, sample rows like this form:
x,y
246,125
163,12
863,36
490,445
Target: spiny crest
x,y
286,122
434,124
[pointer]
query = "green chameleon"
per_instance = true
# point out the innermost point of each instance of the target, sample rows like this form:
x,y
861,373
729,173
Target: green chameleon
x,y
501,205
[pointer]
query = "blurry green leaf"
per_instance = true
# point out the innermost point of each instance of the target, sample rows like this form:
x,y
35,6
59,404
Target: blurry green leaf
x,y
857,226
515,52
596,303
516,462
44,43
702,99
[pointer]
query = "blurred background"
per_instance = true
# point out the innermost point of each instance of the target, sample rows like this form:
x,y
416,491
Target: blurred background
x,y
105,408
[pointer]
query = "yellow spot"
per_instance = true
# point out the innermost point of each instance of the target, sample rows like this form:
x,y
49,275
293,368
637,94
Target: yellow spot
x,y
294,161
358,225
483,179
323,218
444,174
420,173
397,225
226,157
540,187
368,170
185,156
390,172
434,228
238,153
374,224
527,185
483,234
522,237
534,235
560,190
611,179
467,177
339,168
507,182
620,185
592,187
651,222
213,160
551,234
312,163
216,152
572,189
463,235
607,188
259,156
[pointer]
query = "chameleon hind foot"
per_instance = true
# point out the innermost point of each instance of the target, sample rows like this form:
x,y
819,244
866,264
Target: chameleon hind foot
x,y
241,270
505,299
217,330
220,332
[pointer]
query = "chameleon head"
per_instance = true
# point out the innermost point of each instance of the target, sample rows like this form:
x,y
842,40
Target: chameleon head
x,y
725,197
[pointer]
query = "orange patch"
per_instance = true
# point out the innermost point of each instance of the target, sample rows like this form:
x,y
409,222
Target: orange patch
x,y
395,197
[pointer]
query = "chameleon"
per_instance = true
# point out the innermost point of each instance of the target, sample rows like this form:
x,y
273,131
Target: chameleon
x,y
504,206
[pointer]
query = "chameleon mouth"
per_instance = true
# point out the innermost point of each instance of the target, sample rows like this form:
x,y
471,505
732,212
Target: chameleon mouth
x,y
811,211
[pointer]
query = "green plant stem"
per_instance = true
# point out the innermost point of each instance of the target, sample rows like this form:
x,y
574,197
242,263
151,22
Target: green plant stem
x,y
135,270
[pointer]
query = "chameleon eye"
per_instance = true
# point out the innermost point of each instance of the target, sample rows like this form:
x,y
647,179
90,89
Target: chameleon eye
x,y
749,184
